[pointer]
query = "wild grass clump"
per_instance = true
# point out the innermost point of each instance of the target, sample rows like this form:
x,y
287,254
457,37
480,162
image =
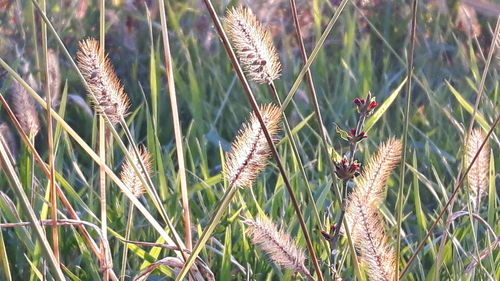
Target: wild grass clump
x,y
219,163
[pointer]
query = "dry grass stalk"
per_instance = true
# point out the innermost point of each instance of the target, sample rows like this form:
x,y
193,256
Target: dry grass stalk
x,y
128,174
365,224
254,45
250,149
54,76
107,94
24,109
278,245
478,174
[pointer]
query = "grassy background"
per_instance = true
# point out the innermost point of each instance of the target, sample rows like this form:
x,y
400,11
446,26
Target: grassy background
x,y
366,51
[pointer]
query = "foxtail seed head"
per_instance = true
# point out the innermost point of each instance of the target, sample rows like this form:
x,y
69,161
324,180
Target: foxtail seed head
x,y
130,177
24,109
254,45
477,177
250,149
278,245
106,89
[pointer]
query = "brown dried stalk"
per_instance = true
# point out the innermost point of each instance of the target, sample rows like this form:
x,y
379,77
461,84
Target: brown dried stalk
x,y
254,45
278,245
365,224
250,150
477,177
24,109
128,175
107,92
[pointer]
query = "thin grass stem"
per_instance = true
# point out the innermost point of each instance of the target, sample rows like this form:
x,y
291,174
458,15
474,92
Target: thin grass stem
x,y
450,200
253,103
50,140
295,150
400,199
127,237
15,184
177,127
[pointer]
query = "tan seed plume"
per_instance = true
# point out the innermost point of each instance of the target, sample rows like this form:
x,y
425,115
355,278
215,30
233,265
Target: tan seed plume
x,y
107,94
54,76
250,149
254,45
278,245
24,109
372,182
128,174
477,177
363,219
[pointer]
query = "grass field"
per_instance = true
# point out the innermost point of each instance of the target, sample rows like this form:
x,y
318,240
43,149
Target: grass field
x,y
69,210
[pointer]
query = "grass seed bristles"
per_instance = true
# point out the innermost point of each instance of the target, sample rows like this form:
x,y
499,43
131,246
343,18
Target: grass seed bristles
x,y
25,110
364,222
54,76
372,182
278,245
477,177
254,45
250,149
107,94
133,182
370,239
128,175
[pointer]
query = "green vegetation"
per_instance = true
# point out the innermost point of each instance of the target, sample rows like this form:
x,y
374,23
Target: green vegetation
x,y
356,47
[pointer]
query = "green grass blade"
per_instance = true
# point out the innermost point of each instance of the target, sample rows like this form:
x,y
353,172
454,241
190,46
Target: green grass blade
x,y
382,108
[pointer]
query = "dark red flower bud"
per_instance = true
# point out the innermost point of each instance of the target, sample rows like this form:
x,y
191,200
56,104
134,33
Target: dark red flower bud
x,y
326,235
372,105
347,171
353,137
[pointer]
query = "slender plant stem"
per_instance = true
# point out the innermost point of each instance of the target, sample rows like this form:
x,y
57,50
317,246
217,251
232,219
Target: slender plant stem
x,y
274,152
352,153
127,237
85,146
400,199
293,144
50,140
102,153
90,152
450,200
14,182
480,92
319,119
177,127
37,159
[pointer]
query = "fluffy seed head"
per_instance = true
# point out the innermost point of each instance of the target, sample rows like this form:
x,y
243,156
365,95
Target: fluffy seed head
x,y
365,224
106,89
54,76
372,182
254,45
24,109
467,20
370,239
478,174
250,149
128,174
278,245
